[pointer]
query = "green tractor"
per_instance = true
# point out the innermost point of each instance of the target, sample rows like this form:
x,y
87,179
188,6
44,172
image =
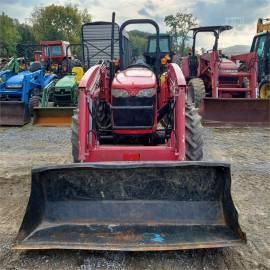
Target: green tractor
x,y
65,91
59,99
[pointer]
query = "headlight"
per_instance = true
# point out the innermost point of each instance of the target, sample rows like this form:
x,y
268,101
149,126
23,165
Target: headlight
x,y
119,93
147,92
14,86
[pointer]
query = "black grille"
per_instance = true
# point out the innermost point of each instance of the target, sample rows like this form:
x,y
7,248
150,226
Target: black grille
x,y
133,112
62,99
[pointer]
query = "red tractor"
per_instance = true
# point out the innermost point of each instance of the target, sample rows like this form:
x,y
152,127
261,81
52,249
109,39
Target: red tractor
x,y
139,184
55,55
227,92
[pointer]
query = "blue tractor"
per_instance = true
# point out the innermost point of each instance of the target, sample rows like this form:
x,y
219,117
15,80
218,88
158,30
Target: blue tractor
x,y
20,93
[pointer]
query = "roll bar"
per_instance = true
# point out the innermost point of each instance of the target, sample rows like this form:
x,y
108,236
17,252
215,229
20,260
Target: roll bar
x,y
140,21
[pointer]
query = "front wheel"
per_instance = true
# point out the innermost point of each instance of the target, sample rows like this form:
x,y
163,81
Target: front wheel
x,y
264,90
33,102
75,136
196,91
194,138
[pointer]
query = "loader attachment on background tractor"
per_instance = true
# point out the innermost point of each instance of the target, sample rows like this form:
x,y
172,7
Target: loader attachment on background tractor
x,y
14,113
131,207
53,116
235,112
44,115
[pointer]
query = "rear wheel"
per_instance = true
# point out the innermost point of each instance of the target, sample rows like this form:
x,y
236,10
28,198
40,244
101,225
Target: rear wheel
x,y
75,136
194,140
264,90
196,91
33,102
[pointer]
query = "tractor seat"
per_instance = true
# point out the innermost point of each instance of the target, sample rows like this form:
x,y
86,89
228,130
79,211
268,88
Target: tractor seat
x,y
35,66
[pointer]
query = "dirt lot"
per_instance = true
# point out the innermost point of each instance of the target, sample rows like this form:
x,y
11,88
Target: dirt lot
x,y
248,150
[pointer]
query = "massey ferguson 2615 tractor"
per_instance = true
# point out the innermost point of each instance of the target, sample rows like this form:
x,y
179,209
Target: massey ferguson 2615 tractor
x,y
137,184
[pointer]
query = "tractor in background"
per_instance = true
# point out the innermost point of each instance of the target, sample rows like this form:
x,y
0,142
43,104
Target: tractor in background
x,y
9,69
55,56
261,45
20,93
4,55
224,93
166,50
59,98
139,184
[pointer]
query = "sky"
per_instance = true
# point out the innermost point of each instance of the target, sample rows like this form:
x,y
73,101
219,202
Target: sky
x,y
241,14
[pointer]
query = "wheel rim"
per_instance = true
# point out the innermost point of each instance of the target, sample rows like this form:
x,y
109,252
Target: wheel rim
x,y
265,90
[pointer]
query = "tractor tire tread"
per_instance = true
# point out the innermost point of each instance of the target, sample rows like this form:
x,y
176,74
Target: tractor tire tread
x,y
198,87
194,139
33,102
75,137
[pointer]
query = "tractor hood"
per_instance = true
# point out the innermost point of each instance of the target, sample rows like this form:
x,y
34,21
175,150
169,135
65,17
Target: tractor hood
x,y
137,77
16,80
66,82
228,65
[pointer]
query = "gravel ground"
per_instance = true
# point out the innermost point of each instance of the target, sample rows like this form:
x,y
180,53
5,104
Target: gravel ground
x,y
248,150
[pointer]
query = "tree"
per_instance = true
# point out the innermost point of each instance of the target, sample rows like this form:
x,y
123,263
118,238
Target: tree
x,y
26,33
9,35
57,22
179,26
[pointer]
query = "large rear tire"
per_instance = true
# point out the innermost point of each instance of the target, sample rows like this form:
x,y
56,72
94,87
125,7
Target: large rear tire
x,y
264,90
75,136
194,139
196,91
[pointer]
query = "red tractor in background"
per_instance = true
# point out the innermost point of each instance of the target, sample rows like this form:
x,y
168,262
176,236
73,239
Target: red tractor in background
x,y
225,94
133,188
55,56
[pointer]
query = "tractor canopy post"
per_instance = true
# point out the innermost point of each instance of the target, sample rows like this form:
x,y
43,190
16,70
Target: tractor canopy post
x,y
112,49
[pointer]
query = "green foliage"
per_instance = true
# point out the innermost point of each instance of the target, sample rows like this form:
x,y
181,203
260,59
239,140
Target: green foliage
x,y
26,33
138,42
179,26
56,22
9,35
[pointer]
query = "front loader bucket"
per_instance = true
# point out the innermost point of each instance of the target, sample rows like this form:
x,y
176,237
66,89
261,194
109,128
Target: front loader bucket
x,y
53,116
131,207
14,113
235,112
